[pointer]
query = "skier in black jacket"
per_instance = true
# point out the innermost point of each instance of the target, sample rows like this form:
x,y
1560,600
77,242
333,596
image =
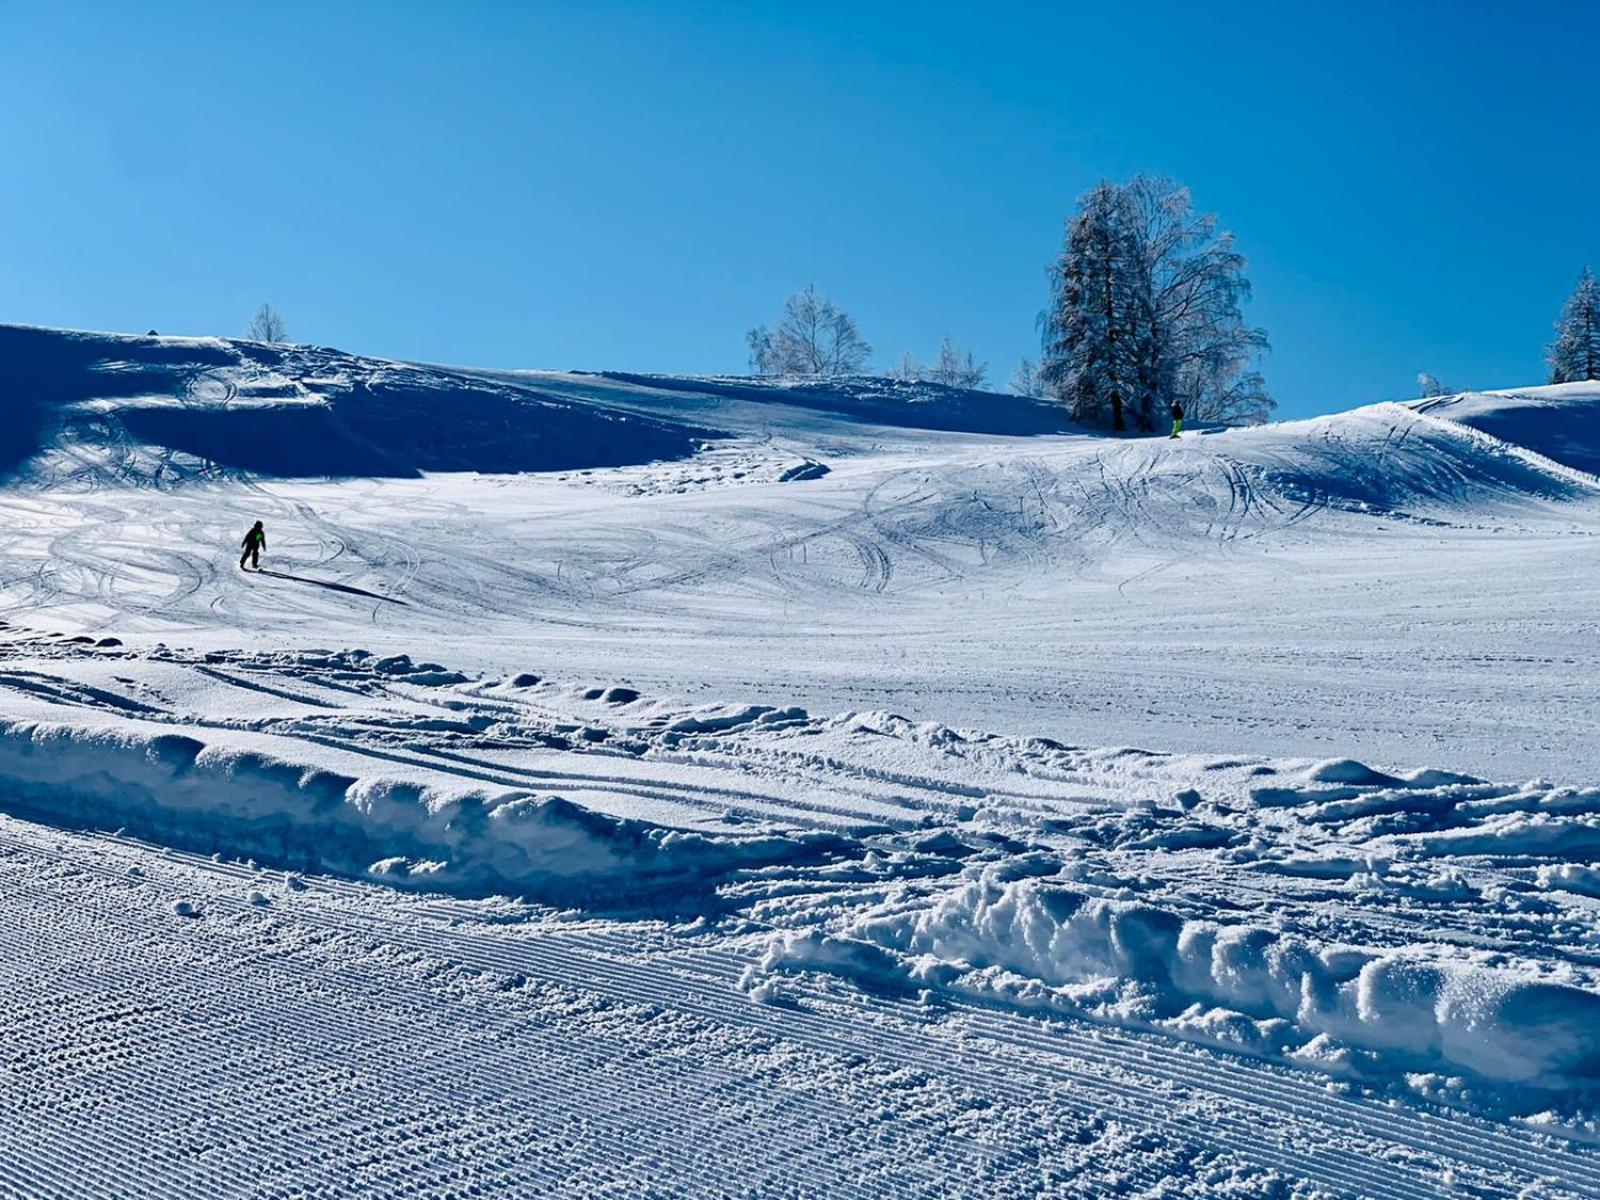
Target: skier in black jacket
x,y
254,543
1177,418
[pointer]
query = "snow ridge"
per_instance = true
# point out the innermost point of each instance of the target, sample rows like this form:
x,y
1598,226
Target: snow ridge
x,y
181,791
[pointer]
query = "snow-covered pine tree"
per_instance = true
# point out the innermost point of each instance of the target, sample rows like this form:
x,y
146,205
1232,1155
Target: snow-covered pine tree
x,y
1100,349
1575,354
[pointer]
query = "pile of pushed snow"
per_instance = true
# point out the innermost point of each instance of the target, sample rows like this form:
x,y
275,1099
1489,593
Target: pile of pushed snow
x,y
220,798
1427,926
1561,422
1055,943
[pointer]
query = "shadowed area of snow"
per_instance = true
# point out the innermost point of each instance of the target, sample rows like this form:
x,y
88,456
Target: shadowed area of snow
x,y
298,410
911,404
1558,421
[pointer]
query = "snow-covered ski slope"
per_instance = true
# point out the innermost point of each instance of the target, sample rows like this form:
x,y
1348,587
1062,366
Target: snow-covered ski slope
x,y
629,785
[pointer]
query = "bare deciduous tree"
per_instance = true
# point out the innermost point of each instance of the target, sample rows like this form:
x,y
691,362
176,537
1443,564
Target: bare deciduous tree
x,y
266,326
954,367
814,337
762,357
1025,380
1198,284
907,369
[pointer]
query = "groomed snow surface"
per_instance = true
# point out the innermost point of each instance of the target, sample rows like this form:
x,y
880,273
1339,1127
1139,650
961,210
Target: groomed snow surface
x,y
640,786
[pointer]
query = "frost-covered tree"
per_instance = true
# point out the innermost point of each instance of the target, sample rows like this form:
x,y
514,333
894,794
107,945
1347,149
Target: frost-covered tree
x,y
907,369
1143,270
814,336
954,367
1101,353
1575,354
759,340
1025,380
1428,385
266,326
1199,287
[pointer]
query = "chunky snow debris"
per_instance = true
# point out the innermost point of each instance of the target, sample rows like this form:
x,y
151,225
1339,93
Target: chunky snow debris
x,y
1369,922
1251,987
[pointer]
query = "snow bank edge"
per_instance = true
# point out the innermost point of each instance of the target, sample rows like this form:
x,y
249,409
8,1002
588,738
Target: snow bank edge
x,y
178,790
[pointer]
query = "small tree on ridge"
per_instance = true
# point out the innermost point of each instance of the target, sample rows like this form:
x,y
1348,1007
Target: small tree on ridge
x,y
266,326
814,336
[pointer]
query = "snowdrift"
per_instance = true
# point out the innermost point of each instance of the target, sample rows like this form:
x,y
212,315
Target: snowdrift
x,y
1391,459
214,798
1421,930
142,409
294,411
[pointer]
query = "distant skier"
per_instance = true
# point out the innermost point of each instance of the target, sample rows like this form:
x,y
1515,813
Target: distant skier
x,y
1177,418
254,543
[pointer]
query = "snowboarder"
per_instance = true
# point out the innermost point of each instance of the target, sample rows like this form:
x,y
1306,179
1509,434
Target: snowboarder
x,y
254,543
1177,418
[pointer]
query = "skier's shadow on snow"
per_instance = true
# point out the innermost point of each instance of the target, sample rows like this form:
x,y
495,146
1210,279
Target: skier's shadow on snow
x,y
332,587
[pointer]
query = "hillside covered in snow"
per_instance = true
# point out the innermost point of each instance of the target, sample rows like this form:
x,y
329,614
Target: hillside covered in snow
x,y
909,792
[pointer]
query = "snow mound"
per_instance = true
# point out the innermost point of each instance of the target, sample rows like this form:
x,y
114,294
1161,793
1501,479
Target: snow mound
x,y
214,798
1377,924
1561,422
1390,459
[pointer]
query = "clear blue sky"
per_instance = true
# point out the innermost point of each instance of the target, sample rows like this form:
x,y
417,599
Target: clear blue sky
x,y
632,185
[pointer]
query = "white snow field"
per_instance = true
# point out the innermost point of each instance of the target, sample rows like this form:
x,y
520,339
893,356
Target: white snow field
x,y
643,786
